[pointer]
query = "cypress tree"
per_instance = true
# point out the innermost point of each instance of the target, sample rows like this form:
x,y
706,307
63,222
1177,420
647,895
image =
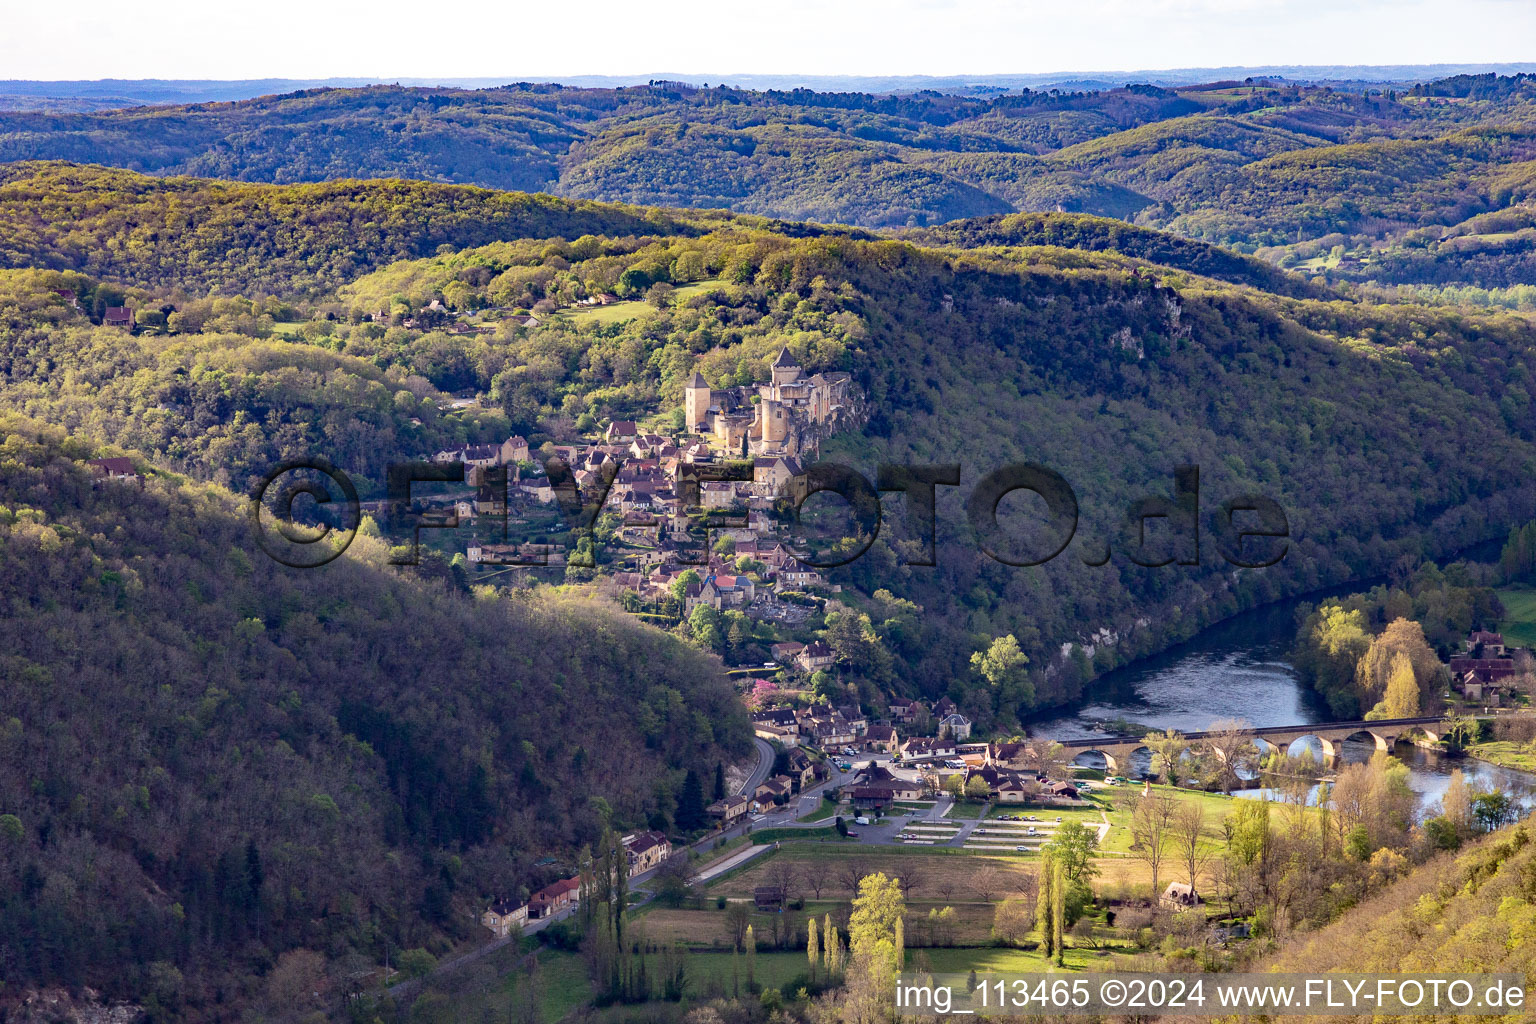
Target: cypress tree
x,y
1058,912
1045,904
691,816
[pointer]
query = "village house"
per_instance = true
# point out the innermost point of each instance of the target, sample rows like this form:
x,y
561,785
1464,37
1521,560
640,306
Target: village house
x,y
815,657
881,737
646,850
514,450
774,471
883,794
117,468
1006,754
728,810
1482,670
854,716
830,733
921,747
784,718
504,915
784,653
955,726
803,768
554,898
767,795
1492,644
120,316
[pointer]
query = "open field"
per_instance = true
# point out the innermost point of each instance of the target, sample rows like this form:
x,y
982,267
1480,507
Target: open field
x,y
950,877
613,313
709,928
687,291
1519,622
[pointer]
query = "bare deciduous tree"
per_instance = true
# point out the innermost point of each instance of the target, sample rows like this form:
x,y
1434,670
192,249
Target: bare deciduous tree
x,y
851,873
815,874
784,875
1151,822
1189,840
1231,744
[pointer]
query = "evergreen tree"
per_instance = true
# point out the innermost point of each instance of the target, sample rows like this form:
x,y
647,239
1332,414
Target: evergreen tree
x,y
691,815
719,781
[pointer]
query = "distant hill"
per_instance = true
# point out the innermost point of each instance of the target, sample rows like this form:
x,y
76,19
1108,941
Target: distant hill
x,y
1272,168
129,92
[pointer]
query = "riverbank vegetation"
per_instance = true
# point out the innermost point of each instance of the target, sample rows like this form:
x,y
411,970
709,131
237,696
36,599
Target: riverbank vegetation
x,y
1349,648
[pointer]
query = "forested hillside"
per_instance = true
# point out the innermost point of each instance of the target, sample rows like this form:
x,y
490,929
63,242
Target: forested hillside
x,y
226,237
1361,186
1382,430
211,760
1465,914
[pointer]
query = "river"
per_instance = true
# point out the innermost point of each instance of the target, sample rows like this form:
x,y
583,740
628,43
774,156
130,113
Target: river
x,y
1239,670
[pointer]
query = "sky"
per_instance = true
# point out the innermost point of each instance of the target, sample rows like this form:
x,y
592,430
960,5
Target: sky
x,y
517,40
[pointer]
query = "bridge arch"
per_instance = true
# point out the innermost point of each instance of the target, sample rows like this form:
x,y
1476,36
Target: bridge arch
x,y
1318,745
1420,736
1381,741
1096,759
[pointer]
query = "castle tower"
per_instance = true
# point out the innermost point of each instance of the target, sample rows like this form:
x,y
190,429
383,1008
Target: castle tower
x,y
785,371
774,421
696,401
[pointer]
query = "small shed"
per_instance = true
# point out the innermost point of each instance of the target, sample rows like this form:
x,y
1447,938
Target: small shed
x,y
1180,895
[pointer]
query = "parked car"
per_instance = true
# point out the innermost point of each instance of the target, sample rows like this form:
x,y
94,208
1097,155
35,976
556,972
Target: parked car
x,y
1022,849
852,834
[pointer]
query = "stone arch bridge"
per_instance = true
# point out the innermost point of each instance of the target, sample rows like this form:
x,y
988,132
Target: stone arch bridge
x,y
1117,751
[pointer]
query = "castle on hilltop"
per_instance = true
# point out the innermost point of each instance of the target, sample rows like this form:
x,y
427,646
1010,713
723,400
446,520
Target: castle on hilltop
x,y
791,414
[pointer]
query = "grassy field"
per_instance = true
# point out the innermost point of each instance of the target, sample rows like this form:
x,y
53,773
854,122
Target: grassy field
x,y
723,975
998,960
617,312
949,878
967,809
613,313
688,291
1506,753
1519,623
826,809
